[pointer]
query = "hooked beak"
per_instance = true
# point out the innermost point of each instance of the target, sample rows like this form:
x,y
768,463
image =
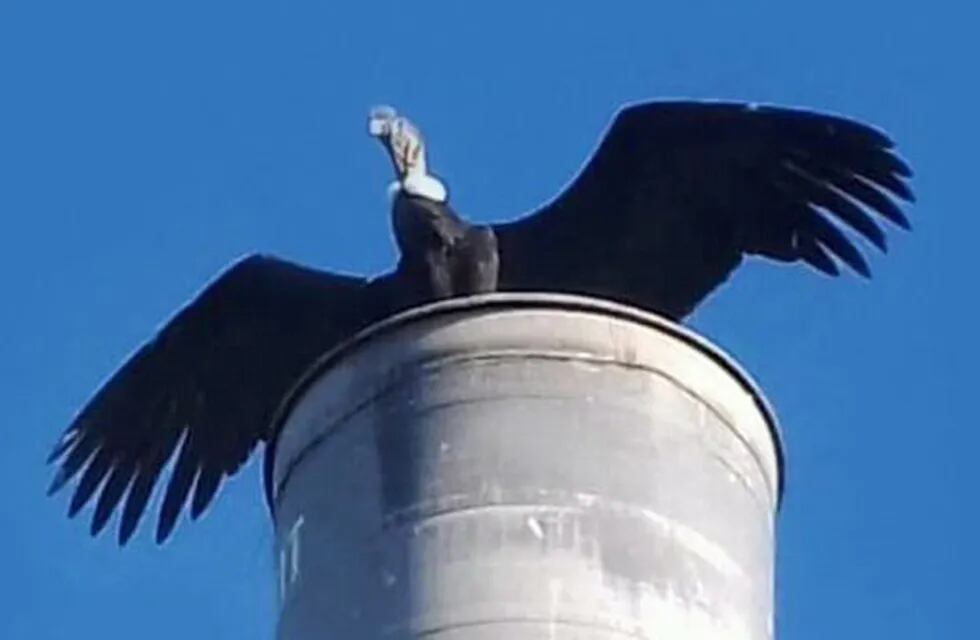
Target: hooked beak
x,y
380,121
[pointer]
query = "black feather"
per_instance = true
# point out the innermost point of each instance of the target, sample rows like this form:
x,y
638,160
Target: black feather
x,y
113,490
97,470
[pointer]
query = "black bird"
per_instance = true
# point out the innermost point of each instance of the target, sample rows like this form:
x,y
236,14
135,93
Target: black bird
x,y
663,212
441,254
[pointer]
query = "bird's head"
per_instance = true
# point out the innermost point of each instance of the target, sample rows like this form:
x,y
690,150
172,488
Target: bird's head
x,y
403,142
400,138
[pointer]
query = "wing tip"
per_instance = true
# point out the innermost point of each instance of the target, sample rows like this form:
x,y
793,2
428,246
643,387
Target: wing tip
x,y
164,529
78,501
197,511
878,241
123,538
60,479
859,265
173,504
98,523
832,270
62,445
897,217
824,264
136,501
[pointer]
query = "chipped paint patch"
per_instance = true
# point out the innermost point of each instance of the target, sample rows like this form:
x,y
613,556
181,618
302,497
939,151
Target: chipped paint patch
x,y
535,527
289,558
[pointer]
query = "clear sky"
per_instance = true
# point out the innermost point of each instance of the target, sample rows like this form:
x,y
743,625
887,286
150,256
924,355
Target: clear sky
x,y
142,149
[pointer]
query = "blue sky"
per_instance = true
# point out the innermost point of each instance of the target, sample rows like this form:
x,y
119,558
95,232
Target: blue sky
x,y
142,149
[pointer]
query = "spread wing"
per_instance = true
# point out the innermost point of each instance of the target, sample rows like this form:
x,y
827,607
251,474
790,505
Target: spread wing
x,y
208,383
678,192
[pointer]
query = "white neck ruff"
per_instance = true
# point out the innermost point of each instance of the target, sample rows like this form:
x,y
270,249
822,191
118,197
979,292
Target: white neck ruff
x,y
421,185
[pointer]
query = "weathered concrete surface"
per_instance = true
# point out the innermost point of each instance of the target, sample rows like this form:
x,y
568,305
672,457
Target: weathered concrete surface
x,y
526,466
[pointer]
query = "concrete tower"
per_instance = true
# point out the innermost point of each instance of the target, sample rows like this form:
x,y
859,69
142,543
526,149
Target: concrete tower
x,y
526,466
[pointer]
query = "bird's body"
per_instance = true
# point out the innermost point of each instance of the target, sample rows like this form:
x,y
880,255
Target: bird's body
x,y
675,196
443,254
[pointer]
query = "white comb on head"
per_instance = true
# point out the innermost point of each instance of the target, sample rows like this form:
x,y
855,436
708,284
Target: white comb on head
x,y
380,120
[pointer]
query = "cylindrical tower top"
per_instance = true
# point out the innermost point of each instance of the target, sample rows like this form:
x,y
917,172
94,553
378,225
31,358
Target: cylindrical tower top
x,y
511,464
